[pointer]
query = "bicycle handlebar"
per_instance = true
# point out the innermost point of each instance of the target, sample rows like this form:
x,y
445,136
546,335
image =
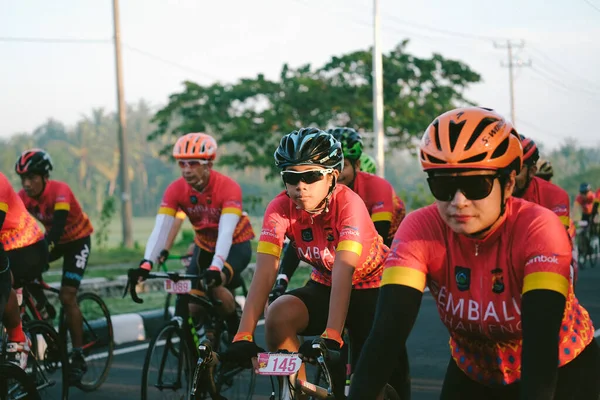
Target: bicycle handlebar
x,y
133,274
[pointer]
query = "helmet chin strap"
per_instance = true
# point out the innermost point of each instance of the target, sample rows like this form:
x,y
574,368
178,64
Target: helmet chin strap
x,y
319,209
502,211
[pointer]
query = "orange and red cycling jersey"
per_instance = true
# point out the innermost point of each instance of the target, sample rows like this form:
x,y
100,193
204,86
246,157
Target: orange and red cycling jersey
x,y
381,199
586,202
548,195
222,195
58,196
316,237
19,228
478,284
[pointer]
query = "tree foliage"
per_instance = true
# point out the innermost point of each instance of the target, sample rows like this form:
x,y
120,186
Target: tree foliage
x,y
251,115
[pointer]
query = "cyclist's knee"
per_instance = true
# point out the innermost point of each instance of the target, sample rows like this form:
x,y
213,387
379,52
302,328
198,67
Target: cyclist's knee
x,y
287,316
222,294
68,296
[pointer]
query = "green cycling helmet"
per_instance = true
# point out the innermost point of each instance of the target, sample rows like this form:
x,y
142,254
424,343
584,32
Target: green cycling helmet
x,y
351,141
367,164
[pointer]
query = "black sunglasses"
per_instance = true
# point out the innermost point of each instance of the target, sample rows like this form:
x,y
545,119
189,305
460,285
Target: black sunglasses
x,y
309,176
473,187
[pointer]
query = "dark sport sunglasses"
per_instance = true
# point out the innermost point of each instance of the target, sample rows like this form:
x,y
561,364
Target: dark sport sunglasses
x,y
473,187
309,176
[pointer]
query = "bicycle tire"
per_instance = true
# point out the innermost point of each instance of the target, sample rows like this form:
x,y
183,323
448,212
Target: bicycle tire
x,y
389,393
167,313
594,251
582,251
97,326
48,355
168,333
10,372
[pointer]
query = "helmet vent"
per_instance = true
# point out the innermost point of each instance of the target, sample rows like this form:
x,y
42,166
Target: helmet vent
x,y
436,135
477,158
454,132
484,123
501,149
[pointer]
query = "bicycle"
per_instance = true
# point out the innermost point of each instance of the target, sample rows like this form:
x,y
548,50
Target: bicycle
x,y
43,370
588,246
15,384
180,340
167,313
98,336
285,364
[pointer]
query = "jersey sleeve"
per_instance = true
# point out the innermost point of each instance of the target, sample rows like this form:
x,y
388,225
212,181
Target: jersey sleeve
x,y
354,225
63,198
232,199
561,207
383,206
407,262
579,200
180,214
5,193
275,224
547,262
169,204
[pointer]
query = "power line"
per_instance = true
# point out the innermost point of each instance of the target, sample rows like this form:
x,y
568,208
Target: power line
x,y
462,35
560,66
560,84
172,63
592,5
52,40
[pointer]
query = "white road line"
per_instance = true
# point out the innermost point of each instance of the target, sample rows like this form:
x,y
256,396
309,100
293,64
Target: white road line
x,y
597,333
137,347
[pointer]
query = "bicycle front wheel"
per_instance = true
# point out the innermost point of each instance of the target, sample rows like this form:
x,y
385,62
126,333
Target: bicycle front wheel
x,y
15,384
167,372
98,340
47,363
389,393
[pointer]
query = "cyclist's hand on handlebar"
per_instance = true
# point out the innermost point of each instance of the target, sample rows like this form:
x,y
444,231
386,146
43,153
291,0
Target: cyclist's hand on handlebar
x,y
279,289
242,351
310,354
144,270
162,257
214,277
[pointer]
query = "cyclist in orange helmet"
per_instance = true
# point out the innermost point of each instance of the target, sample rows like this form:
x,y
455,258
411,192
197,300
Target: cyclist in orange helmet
x,y
213,204
498,268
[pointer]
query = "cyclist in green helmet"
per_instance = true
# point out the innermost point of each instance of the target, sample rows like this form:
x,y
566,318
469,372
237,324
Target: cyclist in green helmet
x,y
367,164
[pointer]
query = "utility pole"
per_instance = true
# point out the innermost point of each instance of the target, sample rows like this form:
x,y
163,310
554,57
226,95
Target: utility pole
x,y
378,92
509,45
126,211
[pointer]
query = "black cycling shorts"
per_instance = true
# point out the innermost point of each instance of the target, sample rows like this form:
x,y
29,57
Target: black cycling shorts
x,y
239,257
28,263
577,380
359,320
5,288
75,256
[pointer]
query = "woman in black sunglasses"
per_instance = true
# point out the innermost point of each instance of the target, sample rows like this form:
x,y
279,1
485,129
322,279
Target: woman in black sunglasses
x,y
498,268
330,228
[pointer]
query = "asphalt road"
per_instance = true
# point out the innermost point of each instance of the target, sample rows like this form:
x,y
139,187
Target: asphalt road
x,y
428,352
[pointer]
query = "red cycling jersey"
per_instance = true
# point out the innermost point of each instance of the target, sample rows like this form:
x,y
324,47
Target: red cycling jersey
x,y
477,284
19,228
586,202
548,195
381,200
346,226
58,196
222,195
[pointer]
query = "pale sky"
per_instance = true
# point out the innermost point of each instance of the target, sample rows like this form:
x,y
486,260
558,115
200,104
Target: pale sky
x,y
169,41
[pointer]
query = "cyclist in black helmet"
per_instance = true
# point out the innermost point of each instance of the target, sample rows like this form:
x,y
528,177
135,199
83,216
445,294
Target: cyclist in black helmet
x,y
331,229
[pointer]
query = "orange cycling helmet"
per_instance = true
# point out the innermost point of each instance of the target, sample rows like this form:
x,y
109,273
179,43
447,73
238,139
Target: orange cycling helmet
x,y
470,138
195,146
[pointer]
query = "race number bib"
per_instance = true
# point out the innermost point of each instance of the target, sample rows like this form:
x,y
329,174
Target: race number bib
x,y
278,364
